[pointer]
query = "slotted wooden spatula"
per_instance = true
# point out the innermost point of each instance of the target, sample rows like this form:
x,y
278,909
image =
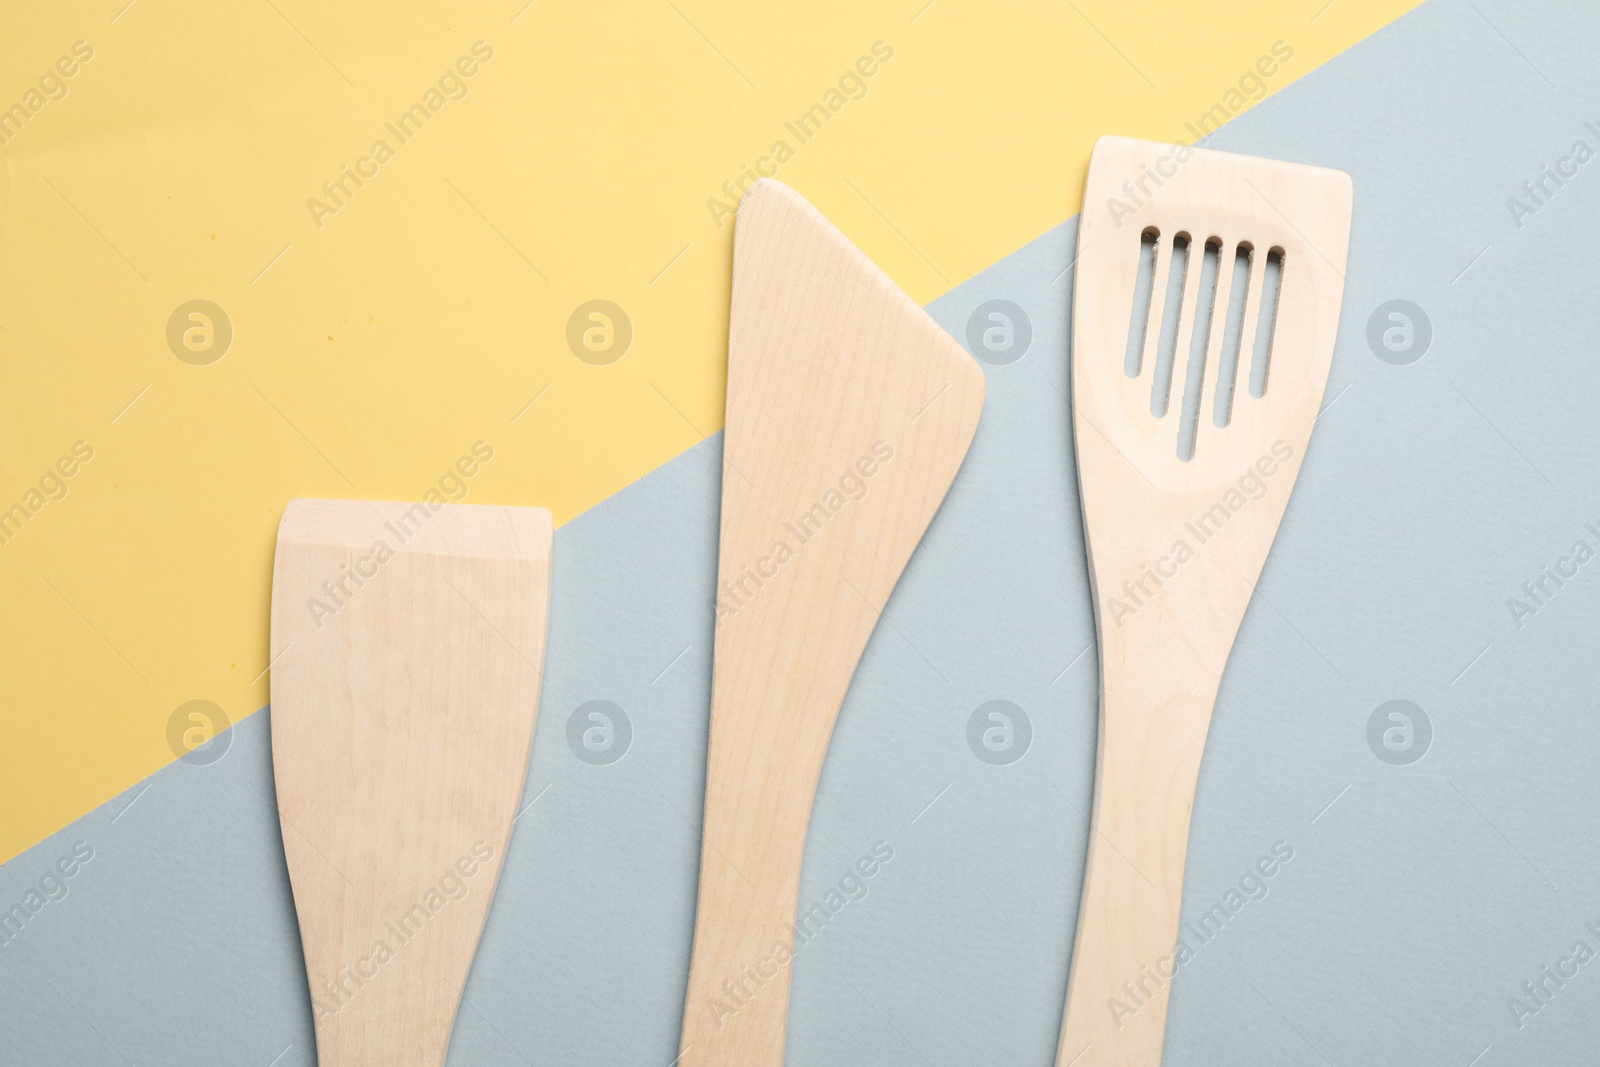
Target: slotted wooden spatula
x,y
849,412
1178,520
408,643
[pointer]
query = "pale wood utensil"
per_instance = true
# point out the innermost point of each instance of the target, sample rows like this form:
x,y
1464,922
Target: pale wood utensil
x,y
1176,545
849,412
408,642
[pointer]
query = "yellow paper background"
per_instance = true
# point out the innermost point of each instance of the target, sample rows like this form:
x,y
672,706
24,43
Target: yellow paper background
x,y
379,347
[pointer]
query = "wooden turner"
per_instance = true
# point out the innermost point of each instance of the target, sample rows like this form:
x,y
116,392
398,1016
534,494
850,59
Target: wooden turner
x,y
1176,544
408,642
849,412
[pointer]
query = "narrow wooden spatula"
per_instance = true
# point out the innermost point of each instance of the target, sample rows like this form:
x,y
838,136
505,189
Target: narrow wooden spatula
x,y
849,412
408,644
1197,270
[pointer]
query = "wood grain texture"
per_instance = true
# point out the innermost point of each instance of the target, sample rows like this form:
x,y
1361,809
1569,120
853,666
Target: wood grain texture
x,y
409,644
1175,547
849,413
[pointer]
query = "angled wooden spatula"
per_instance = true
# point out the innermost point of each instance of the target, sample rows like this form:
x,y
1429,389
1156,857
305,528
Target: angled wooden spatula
x,y
1204,311
408,643
849,412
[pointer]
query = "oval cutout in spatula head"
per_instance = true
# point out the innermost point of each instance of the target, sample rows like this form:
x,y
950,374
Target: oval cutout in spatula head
x,y
408,641
1204,313
849,413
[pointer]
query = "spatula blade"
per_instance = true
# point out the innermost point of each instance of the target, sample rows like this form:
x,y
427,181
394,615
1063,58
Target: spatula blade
x,y
408,642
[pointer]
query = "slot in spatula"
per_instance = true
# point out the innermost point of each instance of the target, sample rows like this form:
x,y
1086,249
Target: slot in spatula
x,y
848,414
1184,473
408,642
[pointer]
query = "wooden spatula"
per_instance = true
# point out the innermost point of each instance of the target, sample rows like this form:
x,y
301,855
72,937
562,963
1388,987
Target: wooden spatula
x,y
408,643
1178,518
849,412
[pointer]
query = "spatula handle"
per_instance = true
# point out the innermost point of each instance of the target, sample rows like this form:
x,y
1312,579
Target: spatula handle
x,y
761,777
1152,732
